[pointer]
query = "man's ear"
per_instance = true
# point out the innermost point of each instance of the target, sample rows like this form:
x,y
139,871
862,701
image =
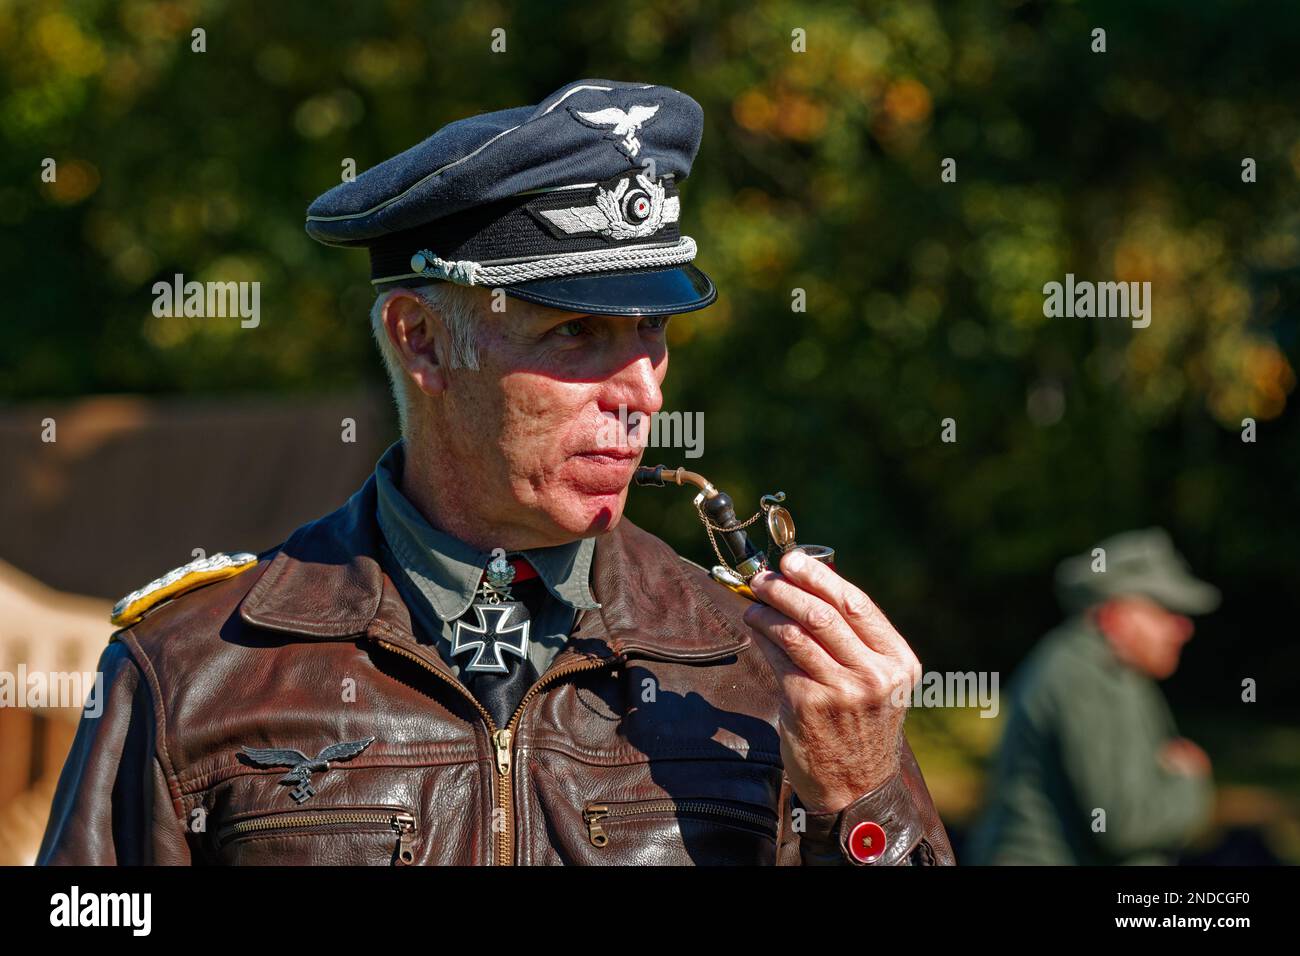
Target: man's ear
x,y
419,339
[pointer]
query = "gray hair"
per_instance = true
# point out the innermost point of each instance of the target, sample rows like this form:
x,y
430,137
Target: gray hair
x,y
458,308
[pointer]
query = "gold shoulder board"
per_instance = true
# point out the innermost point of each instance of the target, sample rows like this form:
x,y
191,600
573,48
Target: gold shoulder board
x,y
187,577
729,578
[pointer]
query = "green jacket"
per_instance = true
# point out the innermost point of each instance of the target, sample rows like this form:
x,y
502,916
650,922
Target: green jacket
x,y
1083,733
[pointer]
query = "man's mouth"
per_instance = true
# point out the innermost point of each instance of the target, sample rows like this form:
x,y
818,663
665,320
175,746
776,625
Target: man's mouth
x,y
606,471
611,455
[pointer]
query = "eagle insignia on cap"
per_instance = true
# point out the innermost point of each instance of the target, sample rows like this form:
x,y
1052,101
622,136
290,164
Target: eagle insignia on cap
x,y
621,212
621,124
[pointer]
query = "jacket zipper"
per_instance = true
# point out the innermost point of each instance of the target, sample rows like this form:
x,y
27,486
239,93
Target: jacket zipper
x,y
402,822
502,738
595,813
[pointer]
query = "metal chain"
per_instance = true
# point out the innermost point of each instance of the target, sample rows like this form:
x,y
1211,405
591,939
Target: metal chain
x,y
710,527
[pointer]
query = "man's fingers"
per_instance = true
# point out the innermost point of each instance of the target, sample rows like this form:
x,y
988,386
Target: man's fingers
x,y
819,618
789,676
852,603
794,641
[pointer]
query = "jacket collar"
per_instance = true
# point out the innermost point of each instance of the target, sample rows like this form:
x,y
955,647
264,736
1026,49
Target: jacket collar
x,y
325,582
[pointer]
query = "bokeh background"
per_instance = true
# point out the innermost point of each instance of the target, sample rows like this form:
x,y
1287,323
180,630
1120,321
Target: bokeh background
x,y
818,171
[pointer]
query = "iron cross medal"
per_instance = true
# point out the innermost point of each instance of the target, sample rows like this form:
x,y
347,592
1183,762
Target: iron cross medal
x,y
502,623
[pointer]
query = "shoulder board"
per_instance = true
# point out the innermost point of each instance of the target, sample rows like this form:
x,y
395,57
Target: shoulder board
x,y
187,577
726,577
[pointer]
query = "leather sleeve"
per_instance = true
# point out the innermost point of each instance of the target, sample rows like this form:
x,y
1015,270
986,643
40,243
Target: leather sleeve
x,y
113,804
901,806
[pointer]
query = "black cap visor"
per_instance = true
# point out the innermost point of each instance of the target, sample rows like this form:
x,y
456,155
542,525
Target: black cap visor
x,y
667,291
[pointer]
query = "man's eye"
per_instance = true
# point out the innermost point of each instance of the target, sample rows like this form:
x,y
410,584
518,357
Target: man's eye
x,y
570,329
655,322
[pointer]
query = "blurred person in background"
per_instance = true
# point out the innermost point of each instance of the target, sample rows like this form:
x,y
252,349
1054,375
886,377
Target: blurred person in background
x,y
1091,768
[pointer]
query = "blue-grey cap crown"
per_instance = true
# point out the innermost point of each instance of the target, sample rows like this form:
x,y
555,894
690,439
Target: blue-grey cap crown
x,y
492,156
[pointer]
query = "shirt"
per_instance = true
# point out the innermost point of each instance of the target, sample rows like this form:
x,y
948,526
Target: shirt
x,y
438,575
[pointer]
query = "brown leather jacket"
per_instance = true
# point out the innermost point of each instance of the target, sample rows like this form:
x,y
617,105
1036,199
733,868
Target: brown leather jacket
x,y
651,739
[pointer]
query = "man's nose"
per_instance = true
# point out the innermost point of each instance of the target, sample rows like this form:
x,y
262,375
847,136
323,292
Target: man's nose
x,y
635,386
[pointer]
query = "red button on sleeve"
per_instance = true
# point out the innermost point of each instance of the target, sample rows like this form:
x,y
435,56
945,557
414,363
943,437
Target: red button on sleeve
x,y
867,842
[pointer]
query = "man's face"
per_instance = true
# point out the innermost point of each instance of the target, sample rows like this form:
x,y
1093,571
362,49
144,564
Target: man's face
x,y
538,423
1147,636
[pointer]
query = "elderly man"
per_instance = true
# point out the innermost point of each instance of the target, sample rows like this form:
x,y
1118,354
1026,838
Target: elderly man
x,y
475,659
1091,768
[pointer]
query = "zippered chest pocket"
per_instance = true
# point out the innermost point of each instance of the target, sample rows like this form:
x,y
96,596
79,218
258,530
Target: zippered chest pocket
x,y
341,836
677,831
